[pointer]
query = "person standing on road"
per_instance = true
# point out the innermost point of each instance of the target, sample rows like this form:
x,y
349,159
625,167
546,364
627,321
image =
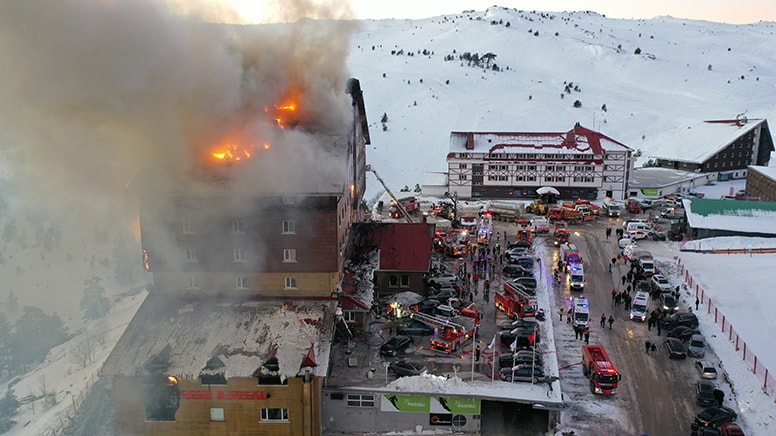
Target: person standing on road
x,y
587,335
611,321
624,278
477,354
561,314
659,326
608,232
603,320
647,346
697,302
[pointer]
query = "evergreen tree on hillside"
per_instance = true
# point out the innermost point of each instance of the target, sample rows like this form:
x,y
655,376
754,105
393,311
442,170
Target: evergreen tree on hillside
x,y
94,303
9,408
34,335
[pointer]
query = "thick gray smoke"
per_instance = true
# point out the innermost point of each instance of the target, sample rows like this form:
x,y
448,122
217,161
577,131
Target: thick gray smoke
x,y
96,95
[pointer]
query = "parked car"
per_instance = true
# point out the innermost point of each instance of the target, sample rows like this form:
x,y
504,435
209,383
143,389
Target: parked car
x,y
528,282
427,306
444,279
669,303
714,416
528,323
404,368
523,373
704,393
675,348
524,261
706,369
522,357
520,244
415,329
697,346
396,345
680,318
682,333
444,294
731,429
659,282
525,337
516,271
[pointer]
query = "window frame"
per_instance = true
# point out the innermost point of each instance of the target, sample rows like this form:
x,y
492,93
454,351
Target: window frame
x,y
239,256
241,282
360,400
238,227
190,255
289,255
215,418
290,282
282,410
288,227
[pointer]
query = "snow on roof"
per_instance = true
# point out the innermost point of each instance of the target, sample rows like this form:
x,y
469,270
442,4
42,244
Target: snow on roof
x,y
357,282
242,334
578,140
769,172
434,179
655,177
732,215
698,142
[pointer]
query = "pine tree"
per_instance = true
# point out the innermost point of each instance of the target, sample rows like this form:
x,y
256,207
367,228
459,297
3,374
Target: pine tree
x,y
9,407
94,303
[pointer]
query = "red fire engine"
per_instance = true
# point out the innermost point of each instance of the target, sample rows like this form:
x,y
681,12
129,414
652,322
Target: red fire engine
x,y
600,370
515,302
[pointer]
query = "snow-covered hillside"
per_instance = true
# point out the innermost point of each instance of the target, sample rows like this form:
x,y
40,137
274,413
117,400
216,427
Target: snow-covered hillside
x,y
687,71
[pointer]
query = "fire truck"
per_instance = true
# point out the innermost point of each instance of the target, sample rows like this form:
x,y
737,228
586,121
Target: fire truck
x,y
515,301
587,211
409,204
564,214
600,370
453,243
453,330
560,236
524,230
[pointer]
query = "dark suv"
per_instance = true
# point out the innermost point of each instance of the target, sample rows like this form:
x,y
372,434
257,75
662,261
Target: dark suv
x,y
713,416
395,345
687,319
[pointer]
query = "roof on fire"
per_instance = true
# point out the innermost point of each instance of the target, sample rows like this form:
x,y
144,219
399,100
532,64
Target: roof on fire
x,y
243,334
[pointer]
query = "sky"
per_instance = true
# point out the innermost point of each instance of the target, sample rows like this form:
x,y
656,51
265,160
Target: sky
x,y
723,11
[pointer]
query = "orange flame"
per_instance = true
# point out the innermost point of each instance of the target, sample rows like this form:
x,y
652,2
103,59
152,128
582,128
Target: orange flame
x,y
231,152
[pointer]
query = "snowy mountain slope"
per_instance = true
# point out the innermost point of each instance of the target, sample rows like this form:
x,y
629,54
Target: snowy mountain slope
x,y
668,84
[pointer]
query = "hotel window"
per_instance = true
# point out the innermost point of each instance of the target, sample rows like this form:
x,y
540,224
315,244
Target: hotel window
x,y
190,254
492,178
548,179
349,315
289,227
290,283
192,283
560,179
358,400
503,167
521,167
289,255
216,413
241,282
186,227
404,281
531,167
393,281
462,166
577,178
520,178
274,415
560,168
239,256
531,178
589,179
462,177
237,226
502,178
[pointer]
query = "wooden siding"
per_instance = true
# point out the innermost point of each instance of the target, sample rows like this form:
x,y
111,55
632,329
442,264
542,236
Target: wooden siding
x,y
243,417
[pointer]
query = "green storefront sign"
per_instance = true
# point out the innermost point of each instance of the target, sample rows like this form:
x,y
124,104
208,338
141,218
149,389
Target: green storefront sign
x,y
416,404
649,192
405,403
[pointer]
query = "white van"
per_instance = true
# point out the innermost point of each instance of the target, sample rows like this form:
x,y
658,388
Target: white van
x,y
638,226
640,306
580,313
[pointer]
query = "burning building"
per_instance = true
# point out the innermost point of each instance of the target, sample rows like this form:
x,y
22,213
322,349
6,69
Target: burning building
x,y
236,330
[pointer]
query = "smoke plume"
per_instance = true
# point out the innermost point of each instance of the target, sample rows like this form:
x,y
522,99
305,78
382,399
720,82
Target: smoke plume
x,y
97,95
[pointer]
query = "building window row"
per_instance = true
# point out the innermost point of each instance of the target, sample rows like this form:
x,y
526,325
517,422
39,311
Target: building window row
x,y
238,227
274,414
397,280
359,400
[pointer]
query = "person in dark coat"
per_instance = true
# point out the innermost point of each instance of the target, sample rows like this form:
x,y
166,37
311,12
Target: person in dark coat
x,y
611,321
647,346
603,320
719,396
587,335
697,302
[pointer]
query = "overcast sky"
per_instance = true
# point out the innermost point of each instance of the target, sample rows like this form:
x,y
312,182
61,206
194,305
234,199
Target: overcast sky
x,y
726,11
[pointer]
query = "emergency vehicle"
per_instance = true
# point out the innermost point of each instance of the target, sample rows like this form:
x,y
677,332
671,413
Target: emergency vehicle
x,y
580,312
516,301
597,366
576,277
